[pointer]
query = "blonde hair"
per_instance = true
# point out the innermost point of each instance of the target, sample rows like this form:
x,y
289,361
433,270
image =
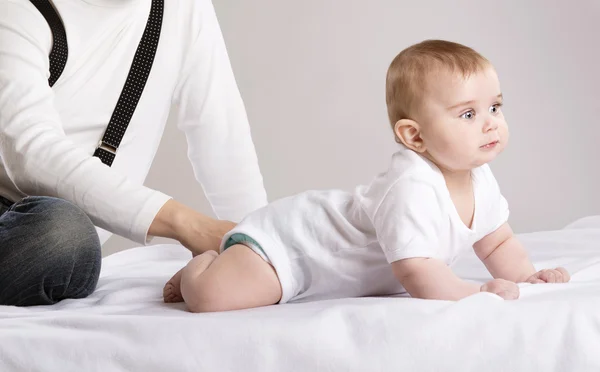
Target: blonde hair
x,y
408,73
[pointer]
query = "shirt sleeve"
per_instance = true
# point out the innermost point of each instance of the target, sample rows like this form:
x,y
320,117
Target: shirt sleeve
x,y
210,110
408,221
495,211
37,156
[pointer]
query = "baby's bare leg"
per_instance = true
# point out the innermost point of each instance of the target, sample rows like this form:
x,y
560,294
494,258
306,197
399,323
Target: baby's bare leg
x,y
172,290
237,279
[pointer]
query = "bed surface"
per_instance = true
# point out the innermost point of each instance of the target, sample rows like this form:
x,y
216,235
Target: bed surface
x,y
125,326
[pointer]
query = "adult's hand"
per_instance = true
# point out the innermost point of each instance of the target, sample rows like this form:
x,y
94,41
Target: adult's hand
x,y
195,231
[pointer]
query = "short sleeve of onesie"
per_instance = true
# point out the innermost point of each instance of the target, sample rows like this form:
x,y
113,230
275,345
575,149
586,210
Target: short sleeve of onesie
x,y
494,210
408,220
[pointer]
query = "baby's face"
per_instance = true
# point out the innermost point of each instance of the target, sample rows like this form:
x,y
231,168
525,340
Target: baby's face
x,y
462,125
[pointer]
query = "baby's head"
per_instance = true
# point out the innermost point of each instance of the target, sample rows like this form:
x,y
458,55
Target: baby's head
x,y
444,102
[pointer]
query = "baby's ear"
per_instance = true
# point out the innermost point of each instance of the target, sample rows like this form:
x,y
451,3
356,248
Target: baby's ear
x,y
408,132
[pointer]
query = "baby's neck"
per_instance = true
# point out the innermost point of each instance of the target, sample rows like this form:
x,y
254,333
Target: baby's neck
x,y
457,180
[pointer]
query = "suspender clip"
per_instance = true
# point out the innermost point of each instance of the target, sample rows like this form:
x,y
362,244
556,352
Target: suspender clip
x,y
107,147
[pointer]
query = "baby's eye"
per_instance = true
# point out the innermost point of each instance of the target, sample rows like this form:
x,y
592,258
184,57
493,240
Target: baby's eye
x,y
468,115
495,108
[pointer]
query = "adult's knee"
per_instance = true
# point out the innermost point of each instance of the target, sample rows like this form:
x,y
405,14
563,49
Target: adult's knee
x,y
67,239
63,225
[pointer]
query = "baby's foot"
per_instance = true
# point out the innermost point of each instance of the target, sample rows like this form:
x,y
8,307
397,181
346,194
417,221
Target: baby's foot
x,y
172,290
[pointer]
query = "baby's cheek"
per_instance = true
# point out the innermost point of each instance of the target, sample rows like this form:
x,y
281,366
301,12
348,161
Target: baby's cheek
x,y
504,135
450,153
449,144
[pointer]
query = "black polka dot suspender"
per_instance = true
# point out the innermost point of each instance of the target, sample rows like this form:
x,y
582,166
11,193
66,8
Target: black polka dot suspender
x,y
134,85
136,80
60,51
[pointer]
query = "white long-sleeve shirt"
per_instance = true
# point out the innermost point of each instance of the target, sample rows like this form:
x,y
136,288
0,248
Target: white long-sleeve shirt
x,y
48,135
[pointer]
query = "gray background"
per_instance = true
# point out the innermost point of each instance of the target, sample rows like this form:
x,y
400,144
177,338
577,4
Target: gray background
x,y
312,77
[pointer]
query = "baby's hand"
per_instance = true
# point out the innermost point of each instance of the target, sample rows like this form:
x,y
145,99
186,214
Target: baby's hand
x,y
558,275
503,288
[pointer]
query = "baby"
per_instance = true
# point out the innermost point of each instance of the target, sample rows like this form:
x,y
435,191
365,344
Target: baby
x,y
400,233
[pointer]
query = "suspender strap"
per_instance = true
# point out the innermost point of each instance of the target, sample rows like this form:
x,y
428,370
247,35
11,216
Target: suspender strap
x,y
60,49
134,86
136,79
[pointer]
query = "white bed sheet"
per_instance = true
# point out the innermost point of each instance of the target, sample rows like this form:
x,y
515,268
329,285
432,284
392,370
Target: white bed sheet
x,y
124,326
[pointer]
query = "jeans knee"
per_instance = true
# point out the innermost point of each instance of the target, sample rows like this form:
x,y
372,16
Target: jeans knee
x,y
49,251
68,238
66,226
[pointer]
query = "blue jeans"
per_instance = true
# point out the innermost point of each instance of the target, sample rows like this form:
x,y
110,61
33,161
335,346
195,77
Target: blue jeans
x,y
49,251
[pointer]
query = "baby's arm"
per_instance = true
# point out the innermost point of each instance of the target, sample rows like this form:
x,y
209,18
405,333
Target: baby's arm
x,y
429,278
506,258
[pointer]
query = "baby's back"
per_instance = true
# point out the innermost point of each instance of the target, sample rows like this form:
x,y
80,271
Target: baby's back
x,y
328,239
329,243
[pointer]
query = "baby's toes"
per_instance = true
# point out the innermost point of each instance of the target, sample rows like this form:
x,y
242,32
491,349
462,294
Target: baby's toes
x,y
549,276
170,294
565,277
172,299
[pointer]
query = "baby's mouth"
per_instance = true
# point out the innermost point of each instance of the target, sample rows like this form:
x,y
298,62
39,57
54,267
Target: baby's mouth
x,y
489,145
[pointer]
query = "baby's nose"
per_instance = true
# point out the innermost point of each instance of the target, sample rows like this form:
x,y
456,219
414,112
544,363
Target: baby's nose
x,y
490,124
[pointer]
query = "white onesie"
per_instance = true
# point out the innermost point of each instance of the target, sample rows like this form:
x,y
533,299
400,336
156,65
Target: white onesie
x,y
335,244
